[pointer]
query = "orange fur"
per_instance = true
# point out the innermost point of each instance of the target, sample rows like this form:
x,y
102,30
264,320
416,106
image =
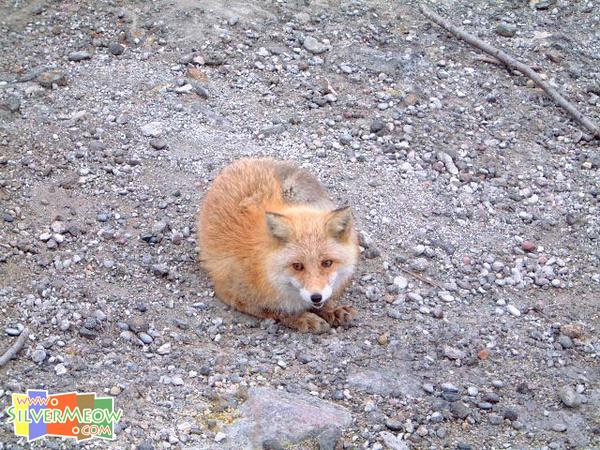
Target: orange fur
x,y
259,222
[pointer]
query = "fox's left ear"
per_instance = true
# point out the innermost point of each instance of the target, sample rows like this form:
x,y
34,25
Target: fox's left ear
x,y
339,223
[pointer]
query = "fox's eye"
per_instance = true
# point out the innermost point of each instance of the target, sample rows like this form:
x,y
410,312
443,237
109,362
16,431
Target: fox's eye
x,y
298,266
326,263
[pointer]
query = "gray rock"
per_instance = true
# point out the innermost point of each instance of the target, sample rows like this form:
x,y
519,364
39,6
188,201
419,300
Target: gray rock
x,y
569,397
453,353
12,104
506,29
115,48
152,129
138,324
459,410
79,56
392,442
158,144
314,46
565,341
398,381
290,419
50,78
38,355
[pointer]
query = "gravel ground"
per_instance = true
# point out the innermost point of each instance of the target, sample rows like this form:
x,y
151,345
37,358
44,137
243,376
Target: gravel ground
x,y
476,197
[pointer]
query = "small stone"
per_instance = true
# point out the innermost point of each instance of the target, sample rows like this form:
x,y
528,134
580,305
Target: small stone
x,y
495,419
146,445
459,410
145,338
38,355
565,341
506,29
449,387
419,264
158,144
383,339
314,46
152,129
513,310
164,349
559,427
138,324
394,425
115,390
569,397
472,391
401,282
60,369
510,414
453,353
220,437
79,56
377,125
528,246
115,48
392,442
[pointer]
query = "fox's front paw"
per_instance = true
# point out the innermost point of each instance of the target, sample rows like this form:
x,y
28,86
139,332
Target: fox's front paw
x,y
339,315
309,322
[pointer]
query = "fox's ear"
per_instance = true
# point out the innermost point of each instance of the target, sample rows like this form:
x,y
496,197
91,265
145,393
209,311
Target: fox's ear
x,y
278,226
339,223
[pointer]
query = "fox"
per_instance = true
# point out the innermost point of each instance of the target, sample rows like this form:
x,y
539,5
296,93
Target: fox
x,y
276,246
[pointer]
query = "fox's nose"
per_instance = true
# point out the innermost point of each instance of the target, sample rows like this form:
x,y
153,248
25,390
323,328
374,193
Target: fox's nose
x,y
316,298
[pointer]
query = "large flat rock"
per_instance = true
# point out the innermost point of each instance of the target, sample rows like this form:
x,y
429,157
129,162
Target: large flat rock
x,y
270,414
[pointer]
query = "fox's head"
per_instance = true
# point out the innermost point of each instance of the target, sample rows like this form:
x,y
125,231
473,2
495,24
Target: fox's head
x,y
315,254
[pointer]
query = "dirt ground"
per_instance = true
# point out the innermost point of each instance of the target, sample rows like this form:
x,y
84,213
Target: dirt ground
x,y
476,198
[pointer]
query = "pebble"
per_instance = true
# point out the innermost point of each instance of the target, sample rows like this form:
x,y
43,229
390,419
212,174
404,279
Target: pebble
x,y
152,129
60,369
314,46
401,282
459,410
565,341
158,144
79,56
528,246
115,48
394,425
453,353
513,310
164,349
506,29
569,397
472,391
38,355
138,324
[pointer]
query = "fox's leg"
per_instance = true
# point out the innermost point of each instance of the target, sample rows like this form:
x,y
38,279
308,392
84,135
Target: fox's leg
x,y
336,315
304,322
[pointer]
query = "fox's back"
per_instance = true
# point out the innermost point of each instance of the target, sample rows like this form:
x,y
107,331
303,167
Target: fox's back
x,y
232,217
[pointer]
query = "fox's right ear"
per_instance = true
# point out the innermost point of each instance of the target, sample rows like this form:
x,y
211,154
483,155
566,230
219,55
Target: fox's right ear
x,y
278,226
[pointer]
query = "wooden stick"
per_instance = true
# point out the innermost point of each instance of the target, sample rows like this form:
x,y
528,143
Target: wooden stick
x,y
422,278
15,348
513,63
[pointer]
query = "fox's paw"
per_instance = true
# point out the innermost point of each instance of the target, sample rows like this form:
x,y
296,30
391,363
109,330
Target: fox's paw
x,y
339,315
310,323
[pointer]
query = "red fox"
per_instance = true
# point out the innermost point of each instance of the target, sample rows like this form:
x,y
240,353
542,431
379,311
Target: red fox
x,y
276,247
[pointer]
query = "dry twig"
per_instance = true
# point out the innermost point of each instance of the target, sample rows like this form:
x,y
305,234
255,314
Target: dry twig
x,y
15,348
515,64
421,278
